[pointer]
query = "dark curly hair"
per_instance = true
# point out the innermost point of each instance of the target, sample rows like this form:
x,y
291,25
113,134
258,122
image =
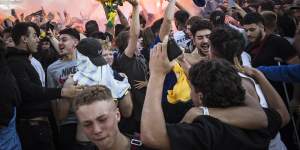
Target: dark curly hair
x,y
181,16
200,25
21,29
219,83
227,43
253,18
71,32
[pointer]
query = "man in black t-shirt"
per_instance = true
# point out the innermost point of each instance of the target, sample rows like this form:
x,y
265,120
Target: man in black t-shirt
x,y
264,48
134,67
214,84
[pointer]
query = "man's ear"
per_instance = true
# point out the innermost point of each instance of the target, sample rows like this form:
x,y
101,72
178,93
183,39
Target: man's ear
x,y
118,115
200,98
23,39
261,26
194,43
76,42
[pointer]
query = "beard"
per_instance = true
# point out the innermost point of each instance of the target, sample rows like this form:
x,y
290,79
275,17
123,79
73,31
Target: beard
x,y
31,49
258,38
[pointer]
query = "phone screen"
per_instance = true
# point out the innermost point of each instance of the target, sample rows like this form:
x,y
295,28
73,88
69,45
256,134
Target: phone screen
x,y
173,49
13,12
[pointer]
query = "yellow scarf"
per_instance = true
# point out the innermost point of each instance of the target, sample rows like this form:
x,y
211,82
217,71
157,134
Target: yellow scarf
x,y
181,90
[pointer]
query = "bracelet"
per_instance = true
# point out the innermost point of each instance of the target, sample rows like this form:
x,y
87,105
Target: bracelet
x,y
205,110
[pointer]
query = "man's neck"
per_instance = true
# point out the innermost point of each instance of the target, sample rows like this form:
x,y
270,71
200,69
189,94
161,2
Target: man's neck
x,y
121,143
70,57
263,36
21,47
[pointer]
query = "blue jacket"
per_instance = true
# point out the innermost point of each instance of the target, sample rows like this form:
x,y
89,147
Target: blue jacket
x,y
286,73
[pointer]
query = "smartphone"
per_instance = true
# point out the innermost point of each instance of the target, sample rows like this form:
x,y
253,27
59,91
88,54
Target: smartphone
x,y
13,12
173,49
37,13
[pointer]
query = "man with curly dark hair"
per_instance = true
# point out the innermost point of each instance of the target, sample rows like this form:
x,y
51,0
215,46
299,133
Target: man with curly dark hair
x,y
216,90
211,78
228,44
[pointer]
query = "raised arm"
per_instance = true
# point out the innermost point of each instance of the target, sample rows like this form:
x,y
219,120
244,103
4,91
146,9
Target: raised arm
x,y
168,18
240,10
274,99
250,116
153,127
122,18
287,73
179,6
53,40
145,13
126,106
134,29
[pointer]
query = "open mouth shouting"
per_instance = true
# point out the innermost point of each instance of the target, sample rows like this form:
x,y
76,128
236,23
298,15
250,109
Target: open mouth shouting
x,y
204,49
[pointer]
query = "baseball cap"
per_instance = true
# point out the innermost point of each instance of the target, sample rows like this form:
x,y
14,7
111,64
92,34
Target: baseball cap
x,y
90,47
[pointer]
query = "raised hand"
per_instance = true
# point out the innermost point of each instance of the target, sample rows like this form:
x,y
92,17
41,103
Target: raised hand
x,y
134,2
70,88
159,62
252,72
140,84
50,16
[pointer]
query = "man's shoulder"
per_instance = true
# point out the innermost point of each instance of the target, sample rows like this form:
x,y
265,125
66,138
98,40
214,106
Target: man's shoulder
x,y
61,64
201,123
54,65
276,39
57,62
18,61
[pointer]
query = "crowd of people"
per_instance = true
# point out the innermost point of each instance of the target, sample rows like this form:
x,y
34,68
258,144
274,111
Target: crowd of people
x,y
227,78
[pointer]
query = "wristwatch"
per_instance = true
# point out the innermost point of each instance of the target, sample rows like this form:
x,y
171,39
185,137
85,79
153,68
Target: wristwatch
x,y
204,110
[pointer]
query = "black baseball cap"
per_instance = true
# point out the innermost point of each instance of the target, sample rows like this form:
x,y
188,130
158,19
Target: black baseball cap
x,y
90,47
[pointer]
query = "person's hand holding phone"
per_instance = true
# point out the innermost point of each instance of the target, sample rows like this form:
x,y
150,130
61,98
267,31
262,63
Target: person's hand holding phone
x,y
159,63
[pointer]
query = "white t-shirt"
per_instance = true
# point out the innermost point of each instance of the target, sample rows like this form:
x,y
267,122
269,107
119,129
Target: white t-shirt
x,y
39,69
181,39
276,143
246,59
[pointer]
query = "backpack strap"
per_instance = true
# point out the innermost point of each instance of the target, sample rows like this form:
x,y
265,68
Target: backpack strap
x,y
135,142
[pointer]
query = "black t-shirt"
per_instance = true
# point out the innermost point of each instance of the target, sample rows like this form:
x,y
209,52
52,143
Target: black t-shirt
x,y
208,133
273,46
136,69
